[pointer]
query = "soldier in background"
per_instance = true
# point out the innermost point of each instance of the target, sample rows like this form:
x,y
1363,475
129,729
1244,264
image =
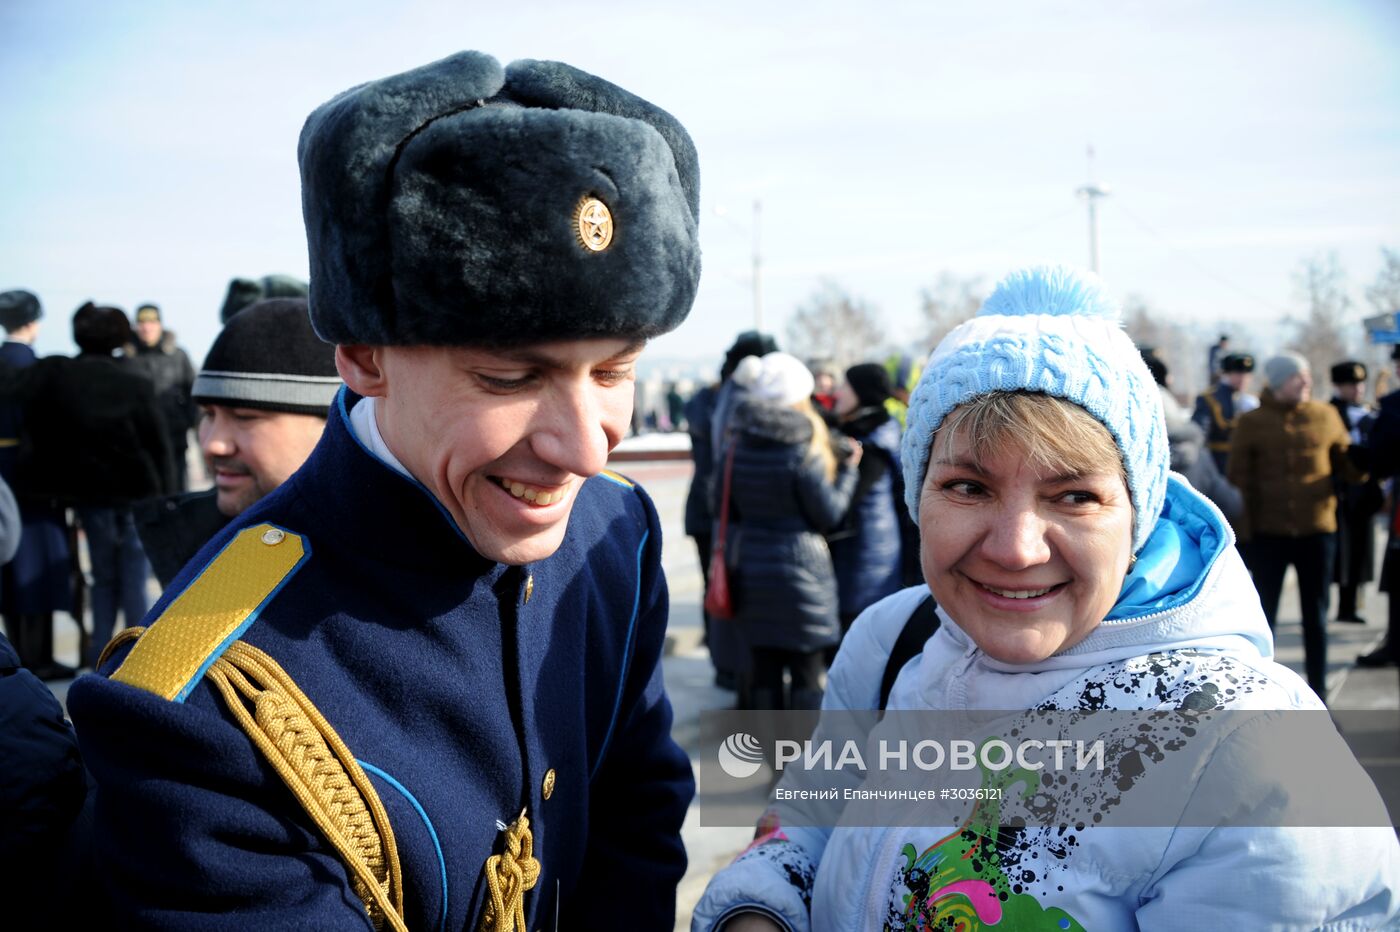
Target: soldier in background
x,y
168,367
1217,352
1380,455
35,584
1357,502
245,292
1217,408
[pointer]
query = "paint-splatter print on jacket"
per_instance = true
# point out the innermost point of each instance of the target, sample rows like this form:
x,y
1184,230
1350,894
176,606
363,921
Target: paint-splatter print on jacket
x,y
1186,632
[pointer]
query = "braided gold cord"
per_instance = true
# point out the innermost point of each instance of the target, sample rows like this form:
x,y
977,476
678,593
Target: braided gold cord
x,y
124,635
320,771
509,876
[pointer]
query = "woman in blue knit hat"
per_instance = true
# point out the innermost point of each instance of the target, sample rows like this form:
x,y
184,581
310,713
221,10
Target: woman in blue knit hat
x,y
1076,581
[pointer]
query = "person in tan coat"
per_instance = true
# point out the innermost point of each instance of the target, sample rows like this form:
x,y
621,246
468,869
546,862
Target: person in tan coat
x,y
1283,458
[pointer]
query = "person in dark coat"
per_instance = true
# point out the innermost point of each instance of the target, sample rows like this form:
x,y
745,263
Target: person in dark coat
x,y
788,490
41,773
1379,455
867,548
35,584
1357,502
96,441
451,617
703,417
263,393
168,367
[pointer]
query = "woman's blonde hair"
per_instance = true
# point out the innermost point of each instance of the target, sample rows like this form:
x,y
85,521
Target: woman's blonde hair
x,y
820,447
1057,437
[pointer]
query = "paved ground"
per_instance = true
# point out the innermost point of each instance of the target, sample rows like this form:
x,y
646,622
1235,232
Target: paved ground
x,y
689,677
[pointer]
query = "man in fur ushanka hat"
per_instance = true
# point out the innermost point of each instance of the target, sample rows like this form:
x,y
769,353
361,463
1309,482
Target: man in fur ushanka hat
x,y
443,633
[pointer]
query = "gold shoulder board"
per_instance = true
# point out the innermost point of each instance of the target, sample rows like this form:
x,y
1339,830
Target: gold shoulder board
x,y
217,607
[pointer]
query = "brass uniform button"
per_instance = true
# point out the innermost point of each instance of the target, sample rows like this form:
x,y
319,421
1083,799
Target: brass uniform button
x,y
273,536
529,588
547,790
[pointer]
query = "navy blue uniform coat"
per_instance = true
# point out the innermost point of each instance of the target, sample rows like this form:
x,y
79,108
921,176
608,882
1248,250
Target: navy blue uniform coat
x,y
455,693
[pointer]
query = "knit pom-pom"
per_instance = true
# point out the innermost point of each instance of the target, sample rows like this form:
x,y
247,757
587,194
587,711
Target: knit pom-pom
x,y
1057,290
748,371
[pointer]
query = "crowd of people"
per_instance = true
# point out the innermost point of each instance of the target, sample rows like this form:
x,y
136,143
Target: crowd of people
x,y
1286,472
96,446
405,667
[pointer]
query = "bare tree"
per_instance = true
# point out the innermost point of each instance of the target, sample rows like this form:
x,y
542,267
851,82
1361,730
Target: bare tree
x,y
949,302
1384,292
1143,323
1322,336
1175,344
835,325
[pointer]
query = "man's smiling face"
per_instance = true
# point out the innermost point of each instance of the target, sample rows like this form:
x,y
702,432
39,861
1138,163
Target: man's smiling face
x,y
502,438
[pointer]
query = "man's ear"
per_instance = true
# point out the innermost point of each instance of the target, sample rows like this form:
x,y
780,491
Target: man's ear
x,y
362,368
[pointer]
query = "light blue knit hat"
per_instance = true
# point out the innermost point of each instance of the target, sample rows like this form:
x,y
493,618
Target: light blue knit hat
x,y
1050,329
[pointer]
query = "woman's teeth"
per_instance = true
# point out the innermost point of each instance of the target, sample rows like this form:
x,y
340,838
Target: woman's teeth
x,y
531,494
1017,593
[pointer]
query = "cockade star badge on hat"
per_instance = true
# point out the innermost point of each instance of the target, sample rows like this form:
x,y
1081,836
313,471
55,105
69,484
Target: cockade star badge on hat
x,y
594,224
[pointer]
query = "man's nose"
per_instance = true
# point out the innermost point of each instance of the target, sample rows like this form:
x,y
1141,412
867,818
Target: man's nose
x,y
215,440
573,430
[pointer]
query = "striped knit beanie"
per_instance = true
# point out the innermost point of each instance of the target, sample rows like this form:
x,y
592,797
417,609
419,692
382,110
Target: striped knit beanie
x,y
268,357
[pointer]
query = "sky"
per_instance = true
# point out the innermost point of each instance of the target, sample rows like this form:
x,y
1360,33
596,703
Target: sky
x,y
149,148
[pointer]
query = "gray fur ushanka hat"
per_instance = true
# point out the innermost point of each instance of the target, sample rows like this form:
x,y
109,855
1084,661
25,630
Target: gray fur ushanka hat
x,y
460,204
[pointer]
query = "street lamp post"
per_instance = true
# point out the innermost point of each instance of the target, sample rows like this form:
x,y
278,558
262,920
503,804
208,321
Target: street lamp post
x,y
757,267
757,257
1091,193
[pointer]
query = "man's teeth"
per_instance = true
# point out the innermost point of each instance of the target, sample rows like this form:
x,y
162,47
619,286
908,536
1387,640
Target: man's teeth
x,y
532,494
1018,593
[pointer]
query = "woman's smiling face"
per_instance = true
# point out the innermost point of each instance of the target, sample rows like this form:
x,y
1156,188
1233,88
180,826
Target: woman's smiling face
x,y
1027,560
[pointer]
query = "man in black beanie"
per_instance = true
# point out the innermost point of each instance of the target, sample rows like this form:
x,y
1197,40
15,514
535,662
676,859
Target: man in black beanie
x,y
443,633
263,396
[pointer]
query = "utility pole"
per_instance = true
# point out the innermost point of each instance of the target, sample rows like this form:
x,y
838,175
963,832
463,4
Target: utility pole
x,y
1091,193
757,267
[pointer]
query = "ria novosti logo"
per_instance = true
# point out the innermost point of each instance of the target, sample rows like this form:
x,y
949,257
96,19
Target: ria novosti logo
x,y
740,755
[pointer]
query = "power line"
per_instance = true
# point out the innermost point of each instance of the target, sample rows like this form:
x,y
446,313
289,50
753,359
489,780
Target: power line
x,y
1194,263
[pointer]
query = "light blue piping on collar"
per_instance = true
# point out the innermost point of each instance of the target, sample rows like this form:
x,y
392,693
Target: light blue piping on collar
x,y
410,479
626,655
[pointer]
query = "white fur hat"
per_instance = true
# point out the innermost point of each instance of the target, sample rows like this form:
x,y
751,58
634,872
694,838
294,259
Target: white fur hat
x,y
779,378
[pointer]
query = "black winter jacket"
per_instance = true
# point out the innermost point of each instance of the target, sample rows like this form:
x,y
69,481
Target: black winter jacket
x,y
170,371
93,434
867,548
780,506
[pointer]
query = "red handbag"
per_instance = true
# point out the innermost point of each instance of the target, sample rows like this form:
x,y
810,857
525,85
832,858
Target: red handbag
x,y
719,601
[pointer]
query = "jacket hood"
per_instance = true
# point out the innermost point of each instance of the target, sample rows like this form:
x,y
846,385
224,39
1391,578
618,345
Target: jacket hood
x,y
762,421
1189,588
